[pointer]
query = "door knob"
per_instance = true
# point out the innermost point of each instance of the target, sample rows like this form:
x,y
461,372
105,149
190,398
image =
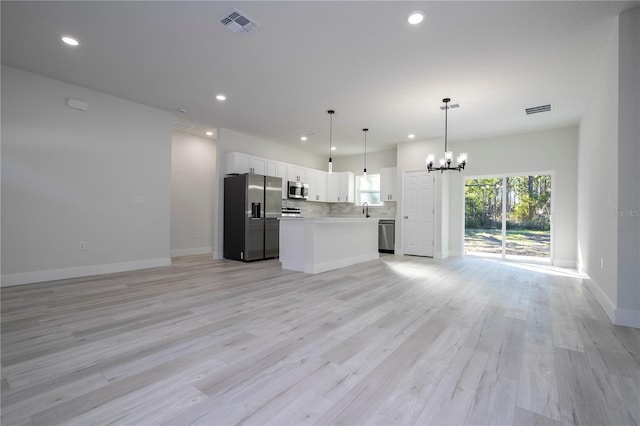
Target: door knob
x,y
406,217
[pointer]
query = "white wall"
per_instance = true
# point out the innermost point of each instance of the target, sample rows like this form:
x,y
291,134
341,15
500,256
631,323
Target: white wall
x,y
629,169
552,151
609,199
230,141
597,192
71,176
375,162
193,172
548,151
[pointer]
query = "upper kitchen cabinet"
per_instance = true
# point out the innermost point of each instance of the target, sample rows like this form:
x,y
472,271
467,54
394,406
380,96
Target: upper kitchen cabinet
x,y
388,184
340,187
238,162
296,173
278,169
317,180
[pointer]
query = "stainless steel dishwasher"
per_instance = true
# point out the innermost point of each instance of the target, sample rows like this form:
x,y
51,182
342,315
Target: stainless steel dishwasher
x,y
386,235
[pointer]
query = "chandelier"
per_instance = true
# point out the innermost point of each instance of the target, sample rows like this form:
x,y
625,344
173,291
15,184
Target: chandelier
x,y
445,163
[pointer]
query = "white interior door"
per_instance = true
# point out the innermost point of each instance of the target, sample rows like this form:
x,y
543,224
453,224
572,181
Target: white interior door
x,y
418,213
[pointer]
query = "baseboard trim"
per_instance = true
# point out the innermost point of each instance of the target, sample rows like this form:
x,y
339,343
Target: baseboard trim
x,y
81,271
217,255
627,318
191,251
604,301
316,268
565,263
623,317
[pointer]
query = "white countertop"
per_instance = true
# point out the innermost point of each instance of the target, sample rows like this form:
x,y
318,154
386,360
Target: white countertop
x,y
320,219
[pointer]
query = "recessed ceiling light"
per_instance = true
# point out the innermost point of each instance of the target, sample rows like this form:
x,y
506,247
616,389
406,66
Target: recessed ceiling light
x,y
70,40
209,133
221,97
415,17
411,136
333,148
303,138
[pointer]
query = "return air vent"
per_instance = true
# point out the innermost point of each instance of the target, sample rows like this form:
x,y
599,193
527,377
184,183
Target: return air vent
x,y
238,22
182,126
536,110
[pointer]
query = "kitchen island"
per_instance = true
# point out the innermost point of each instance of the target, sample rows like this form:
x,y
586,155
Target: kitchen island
x,y
319,244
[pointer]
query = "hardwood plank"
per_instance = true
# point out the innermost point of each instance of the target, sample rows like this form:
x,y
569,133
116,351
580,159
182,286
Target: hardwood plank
x,y
537,384
399,340
454,395
581,401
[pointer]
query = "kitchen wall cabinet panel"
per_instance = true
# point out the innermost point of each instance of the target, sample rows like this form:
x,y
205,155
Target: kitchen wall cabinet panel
x,y
317,185
347,190
337,187
297,173
340,187
388,178
238,162
278,169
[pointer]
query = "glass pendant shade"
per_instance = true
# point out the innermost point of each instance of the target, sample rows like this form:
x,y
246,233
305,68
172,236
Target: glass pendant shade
x,y
330,112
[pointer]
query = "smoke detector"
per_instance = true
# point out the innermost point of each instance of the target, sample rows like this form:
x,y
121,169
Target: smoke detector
x,y
238,22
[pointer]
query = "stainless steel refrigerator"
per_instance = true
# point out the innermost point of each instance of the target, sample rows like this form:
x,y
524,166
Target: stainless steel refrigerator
x,y
252,206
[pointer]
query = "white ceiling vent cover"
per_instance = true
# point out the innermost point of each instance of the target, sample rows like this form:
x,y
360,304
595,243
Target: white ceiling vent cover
x,y
538,109
238,22
452,106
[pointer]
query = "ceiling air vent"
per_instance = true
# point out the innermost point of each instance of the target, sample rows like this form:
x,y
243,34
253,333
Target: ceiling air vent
x,y
535,110
452,106
182,126
238,22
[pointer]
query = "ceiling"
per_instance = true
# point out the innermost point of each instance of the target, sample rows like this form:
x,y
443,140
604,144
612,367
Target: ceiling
x,y
360,58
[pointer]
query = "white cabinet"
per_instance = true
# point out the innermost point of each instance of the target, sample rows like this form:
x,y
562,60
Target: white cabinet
x,y
296,173
317,180
278,169
347,190
333,187
340,187
388,184
238,162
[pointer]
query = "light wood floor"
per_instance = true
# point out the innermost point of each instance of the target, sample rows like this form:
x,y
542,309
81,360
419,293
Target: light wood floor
x,y
399,340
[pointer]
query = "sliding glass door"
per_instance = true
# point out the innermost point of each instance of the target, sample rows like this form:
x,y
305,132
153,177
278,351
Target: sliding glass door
x,y
483,216
509,216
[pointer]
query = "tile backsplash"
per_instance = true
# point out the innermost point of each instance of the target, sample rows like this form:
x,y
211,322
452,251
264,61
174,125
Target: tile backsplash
x,y
387,210
310,209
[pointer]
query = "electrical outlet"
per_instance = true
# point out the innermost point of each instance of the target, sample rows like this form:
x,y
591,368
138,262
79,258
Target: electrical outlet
x,y
602,263
82,245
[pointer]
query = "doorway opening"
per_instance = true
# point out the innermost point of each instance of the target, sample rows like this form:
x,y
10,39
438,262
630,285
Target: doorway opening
x,y
509,217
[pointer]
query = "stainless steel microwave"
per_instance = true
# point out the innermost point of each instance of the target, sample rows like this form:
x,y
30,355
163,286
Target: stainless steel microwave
x,y
298,190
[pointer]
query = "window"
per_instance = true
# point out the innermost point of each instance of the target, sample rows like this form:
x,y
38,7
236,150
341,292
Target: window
x,y
368,190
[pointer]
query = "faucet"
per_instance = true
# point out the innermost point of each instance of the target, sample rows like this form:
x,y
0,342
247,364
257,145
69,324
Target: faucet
x,y
365,209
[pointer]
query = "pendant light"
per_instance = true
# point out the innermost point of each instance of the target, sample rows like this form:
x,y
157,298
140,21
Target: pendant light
x,y
330,112
445,163
365,152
